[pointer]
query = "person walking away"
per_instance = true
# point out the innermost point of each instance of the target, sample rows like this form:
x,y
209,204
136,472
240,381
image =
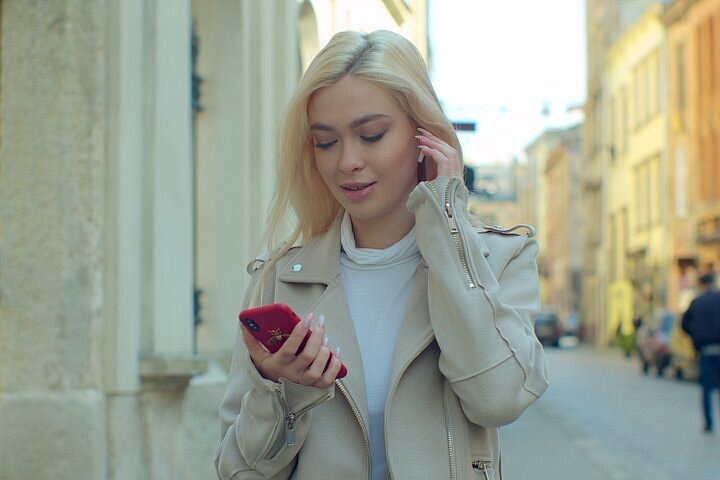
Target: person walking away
x,y
702,322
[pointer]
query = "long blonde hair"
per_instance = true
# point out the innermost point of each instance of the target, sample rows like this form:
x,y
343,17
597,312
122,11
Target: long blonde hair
x,y
383,57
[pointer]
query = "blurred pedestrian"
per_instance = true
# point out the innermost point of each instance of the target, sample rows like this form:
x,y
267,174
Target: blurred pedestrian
x,y
434,314
702,322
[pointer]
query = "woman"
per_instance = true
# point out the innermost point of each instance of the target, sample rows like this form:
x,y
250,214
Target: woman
x,y
433,315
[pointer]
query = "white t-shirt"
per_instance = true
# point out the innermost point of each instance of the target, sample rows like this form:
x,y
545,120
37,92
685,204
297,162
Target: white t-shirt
x,y
378,285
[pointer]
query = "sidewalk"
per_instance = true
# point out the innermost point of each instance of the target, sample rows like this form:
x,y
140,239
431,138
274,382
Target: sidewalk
x,y
602,419
542,445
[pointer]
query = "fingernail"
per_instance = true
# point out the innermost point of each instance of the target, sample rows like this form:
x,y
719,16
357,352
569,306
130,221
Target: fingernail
x,y
421,155
308,319
418,137
421,129
321,320
423,147
337,352
326,341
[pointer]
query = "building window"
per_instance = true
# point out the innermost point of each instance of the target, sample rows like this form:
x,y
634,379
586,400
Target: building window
x,y
625,120
612,126
680,73
654,78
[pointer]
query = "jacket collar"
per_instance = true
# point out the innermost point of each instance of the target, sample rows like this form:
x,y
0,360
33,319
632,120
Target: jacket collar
x,y
319,262
316,262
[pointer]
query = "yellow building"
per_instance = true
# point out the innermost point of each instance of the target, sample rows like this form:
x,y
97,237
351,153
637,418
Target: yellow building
x,y
635,177
694,142
606,21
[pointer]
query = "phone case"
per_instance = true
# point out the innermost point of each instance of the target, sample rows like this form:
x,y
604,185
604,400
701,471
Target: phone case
x,y
272,325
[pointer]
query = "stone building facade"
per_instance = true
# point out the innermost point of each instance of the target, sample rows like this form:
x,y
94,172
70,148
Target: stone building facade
x,y
137,157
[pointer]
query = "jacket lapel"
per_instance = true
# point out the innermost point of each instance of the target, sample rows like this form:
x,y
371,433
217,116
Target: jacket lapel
x,y
318,262
316,268
416,331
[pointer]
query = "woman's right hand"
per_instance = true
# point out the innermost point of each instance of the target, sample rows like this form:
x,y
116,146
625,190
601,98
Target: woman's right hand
x,y
305,368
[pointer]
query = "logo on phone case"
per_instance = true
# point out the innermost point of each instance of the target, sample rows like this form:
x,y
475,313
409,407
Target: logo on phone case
x,y
277,336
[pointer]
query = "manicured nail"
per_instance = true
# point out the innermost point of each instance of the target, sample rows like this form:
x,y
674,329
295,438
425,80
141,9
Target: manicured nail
x,y
421,155
326,341
421,129
418,137
337,352
321,320
308,319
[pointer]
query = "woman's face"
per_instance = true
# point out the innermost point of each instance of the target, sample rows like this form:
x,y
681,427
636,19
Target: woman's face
x,y
366,151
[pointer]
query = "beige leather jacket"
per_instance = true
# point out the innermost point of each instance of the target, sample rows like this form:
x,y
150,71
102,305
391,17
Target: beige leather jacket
x,y
467,360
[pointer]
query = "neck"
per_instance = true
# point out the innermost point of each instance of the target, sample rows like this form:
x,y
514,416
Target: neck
x,y
380,235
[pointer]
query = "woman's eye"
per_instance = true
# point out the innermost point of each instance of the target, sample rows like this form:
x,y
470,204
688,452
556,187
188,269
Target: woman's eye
x,y
374,138
325,145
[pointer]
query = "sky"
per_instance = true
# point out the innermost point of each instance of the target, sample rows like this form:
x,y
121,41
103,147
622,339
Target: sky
x,y
502,63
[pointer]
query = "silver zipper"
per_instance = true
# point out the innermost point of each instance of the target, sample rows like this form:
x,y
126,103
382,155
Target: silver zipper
x,y
363,428
450,434
454,231
484,466
291,417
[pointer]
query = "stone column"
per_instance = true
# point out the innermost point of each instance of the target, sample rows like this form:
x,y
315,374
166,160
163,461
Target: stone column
x,y
52,218
248,60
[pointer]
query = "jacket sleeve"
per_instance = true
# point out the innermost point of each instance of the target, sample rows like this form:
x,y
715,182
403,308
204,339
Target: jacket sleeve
x,y
254,414
482,315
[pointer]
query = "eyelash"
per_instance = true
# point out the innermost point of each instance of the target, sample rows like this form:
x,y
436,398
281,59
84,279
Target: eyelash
x,y
372,139
325,146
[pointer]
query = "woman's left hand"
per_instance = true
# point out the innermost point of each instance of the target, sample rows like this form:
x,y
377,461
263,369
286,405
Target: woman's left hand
x,y
446,158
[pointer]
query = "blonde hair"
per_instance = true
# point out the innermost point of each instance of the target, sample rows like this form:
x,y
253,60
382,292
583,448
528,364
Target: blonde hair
x,y
385,58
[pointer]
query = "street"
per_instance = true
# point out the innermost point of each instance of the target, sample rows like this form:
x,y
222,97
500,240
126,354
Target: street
x,y
602,419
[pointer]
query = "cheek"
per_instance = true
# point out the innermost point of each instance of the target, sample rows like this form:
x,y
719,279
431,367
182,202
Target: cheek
x,y
406,163
325,168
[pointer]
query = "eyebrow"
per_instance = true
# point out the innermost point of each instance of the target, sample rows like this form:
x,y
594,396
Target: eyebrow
x,y
353,125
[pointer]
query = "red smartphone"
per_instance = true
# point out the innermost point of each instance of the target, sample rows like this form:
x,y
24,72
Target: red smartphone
x,y
272,325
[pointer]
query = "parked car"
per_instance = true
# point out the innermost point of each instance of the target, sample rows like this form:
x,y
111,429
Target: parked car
x,y
547,328
653,342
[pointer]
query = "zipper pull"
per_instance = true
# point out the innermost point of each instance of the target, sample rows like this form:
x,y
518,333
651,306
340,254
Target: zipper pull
x,y
290,429
451,218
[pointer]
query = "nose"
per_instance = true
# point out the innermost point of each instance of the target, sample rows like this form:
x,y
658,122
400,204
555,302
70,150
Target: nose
x,y
351,160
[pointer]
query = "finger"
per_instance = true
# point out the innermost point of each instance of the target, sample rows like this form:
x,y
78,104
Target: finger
x,y
435,142
295,341
432,141
446,167
426,132
332,371
312,347
450,153
435,154
258,352
315,371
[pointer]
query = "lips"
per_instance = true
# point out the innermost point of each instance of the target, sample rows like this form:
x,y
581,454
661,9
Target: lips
x,y
354,187
356,191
